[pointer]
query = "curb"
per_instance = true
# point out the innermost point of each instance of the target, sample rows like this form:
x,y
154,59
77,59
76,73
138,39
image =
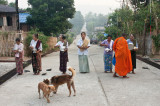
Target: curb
x,y
13,72
149,62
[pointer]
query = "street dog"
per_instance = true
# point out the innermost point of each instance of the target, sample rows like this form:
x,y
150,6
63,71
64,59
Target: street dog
x,y
46,90
62,79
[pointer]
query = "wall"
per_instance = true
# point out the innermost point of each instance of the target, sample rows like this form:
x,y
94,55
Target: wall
x,y
149,46
7,40
5,27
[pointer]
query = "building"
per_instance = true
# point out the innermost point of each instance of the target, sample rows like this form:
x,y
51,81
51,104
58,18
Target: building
x,y
8,18
23,22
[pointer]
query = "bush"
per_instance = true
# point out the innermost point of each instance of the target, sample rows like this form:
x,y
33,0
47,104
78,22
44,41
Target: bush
x,y
156,40
28,39
70,37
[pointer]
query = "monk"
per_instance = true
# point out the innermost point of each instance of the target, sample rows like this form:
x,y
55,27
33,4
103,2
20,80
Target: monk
x,y
123,57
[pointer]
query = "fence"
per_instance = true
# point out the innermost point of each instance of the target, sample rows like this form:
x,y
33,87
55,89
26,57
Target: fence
x,y
7,41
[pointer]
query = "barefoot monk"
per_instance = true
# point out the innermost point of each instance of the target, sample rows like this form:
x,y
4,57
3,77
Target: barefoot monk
x,y
123,57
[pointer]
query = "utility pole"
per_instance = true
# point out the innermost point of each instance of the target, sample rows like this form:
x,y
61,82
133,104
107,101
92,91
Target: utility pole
x,y
17,13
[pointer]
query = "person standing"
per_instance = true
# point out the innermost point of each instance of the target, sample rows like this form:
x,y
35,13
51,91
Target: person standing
x,y
133,51
83,45
63,45
36,46
123,57
19,54
108,53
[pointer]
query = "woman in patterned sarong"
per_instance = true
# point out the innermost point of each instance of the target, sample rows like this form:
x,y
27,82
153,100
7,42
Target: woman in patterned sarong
x,y
18,50
108,53
63,45
36,47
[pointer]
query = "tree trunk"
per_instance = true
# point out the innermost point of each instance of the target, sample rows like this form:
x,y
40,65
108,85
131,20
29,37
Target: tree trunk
x,y
156,23
144,40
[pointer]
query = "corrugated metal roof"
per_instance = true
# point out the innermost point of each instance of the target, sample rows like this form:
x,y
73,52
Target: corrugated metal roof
x,y
7,9
23,17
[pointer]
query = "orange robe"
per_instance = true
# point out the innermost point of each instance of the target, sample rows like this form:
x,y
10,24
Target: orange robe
x,y
123,57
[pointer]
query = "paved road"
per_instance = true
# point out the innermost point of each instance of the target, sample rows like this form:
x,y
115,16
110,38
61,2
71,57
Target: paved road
x,y
94,89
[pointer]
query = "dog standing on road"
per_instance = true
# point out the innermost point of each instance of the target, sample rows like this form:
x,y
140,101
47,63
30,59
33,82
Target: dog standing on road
x,y
46,90
62,79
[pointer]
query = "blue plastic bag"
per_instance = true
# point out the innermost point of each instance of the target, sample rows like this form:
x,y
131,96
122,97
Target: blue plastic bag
x,y
114,61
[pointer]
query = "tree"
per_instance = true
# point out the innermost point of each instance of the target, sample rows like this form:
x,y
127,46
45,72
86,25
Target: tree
x,y
51,16
94,20
12,4
120,22
5,2
77,22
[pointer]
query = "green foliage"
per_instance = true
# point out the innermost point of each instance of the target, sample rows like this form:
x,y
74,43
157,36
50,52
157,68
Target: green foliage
x,y
77,22
114,31
100,37
94,20
70,37
51,16
28,39
156,40
12,4
4,2
120,20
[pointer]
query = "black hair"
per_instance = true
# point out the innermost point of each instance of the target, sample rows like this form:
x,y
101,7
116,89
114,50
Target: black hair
x,y
36,35
109,36
63,37
83,33
18,40
124,34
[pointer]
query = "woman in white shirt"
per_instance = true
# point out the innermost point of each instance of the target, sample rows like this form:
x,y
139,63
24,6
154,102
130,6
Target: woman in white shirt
x,y
36,46
83,45
18,50
63,45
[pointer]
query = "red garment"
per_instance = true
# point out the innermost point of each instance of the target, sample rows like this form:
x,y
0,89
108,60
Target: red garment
x,y
38,44
123,57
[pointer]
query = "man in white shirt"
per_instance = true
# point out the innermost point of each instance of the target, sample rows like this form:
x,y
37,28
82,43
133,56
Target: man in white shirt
x,y
83,45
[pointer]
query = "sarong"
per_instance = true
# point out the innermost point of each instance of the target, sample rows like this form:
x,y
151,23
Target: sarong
x,y
108,62
83,64
19,64
133,55
36,62
63,61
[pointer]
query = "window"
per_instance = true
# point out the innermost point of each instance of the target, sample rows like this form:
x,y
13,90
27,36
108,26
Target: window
x,y
1,21
9,21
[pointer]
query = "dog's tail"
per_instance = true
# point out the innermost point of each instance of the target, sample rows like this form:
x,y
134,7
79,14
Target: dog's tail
x,y
73,71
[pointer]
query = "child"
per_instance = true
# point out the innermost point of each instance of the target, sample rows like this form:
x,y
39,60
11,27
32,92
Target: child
x,y
18,50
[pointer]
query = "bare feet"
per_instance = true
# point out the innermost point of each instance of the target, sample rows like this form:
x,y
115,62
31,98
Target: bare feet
x,y
114,75
125,77
133,72
111,71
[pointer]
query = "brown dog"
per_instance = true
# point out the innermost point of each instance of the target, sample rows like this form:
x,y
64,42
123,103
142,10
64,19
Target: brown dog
x,y
46,90
62,79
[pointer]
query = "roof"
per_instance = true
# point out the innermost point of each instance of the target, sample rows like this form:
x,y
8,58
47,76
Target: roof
x,y
99,28
7,9
23,17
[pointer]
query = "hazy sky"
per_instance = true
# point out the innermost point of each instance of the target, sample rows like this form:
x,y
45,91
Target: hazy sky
x,y
96,6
